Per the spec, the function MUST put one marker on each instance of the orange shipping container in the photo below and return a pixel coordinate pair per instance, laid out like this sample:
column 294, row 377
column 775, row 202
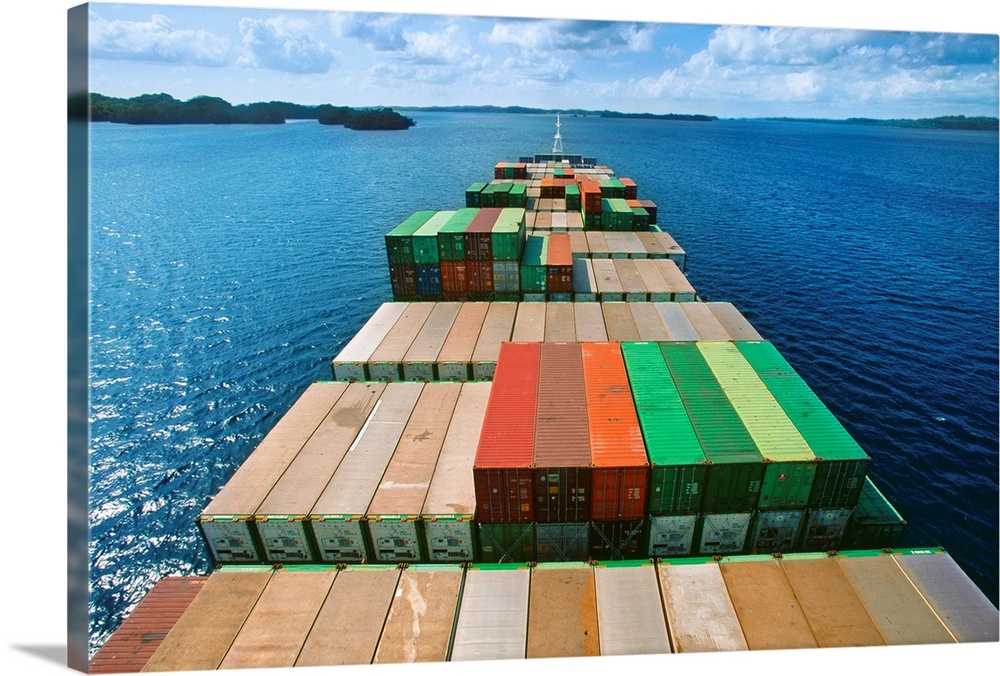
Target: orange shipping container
column 618, row 454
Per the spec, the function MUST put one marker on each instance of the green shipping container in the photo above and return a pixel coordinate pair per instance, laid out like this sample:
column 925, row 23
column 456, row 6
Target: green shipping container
column 486, row 196
column 533, row 272
column 678, row 468
column 791, row 464
column 451, row 235
column 875, row 523
column 472, row 194
column 508, row 235
column 737, row 467
column 841, row 472
column 518, row 195
column 573, row 197
column 501, row 191
column 398, row 241
column 506, row 542
column 425, row 239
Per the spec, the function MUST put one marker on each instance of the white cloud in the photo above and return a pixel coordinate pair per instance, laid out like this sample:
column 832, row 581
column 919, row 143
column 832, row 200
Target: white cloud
column 597, row 37
column 443, row 48
column 381, row 32
column 156, row 40
column 283, row 44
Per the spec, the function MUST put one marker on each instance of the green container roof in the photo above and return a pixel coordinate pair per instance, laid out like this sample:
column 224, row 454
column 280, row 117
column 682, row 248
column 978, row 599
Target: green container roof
column 535, row 247
column 459, row 221
column 776, row 436
column 723, row 435
column 815, row 422
column 511, row 219
column 666, row 428
column 477, row 187
column 433, row 224
column 411, row 224
column 572, row 189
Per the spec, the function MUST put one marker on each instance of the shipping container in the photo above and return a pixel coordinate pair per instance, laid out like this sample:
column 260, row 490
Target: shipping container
column 736, row 466
column 657, row 288
column 425, row 239
column 203, row 634
column 561, row 542
column 733, row 321
column 508, row 235
column 349, row 364
column 650, row 207
column 648, row 323
column 479, row 233
column 529, row 323
column 276, row 628
column 502, row 467
column 141, row 633
column 455, row 358
column 584, row 281
column 479, row 278
column 280, row 519
column 385, row 361
column 598, row 245
column 472, row 194
column 616, row 244
column 672, row 535
column 338, row 514
column 875, row 523
column 724, row 534
column 704, row 322
column 403, row 281
column 533, row 273
column 776, row 531
column 840, row 476
column 699, row 611
column 506, row 542
column 824, row 529
column 652, row 244
column 836, row 615
column 679, row 285
column 578, row 243
column 631, row 281
column 609, row 286
column 492, row 619
column 419, row 361
column 620, row 468
column 561, row 458
column 560, row 323
column 562, row 612
column 428, row 281
column 589, row 322
column 630, row 618
column 507, row 279
column 394, row 512
column 766, row 606
column 497, row 328
column 225, row 522
column 618, row 321
column 348, row 627
column 790, row 462
column 451, row 235
column 559, row 266
column 898, row 609
column 449, row 509
column 399, row 242
column 454, row 280
column 419, row 624
column 676, row 321
column 622, row 540
column 678, row 466
column 957, row 601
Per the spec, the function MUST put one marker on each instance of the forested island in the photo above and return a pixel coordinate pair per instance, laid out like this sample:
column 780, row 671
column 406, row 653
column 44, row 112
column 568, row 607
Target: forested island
column 575, row 112
column 165, row 109
column 943, row 122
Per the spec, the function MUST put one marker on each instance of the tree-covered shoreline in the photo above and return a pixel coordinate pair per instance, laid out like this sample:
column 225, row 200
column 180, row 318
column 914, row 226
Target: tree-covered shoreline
column 165, row 109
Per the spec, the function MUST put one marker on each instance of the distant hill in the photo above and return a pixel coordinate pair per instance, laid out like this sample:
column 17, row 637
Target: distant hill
column 578, row 112
column 944, row 122
column 165, row 109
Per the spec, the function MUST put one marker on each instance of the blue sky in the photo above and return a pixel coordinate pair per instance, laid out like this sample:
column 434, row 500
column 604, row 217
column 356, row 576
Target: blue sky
column 728, row 65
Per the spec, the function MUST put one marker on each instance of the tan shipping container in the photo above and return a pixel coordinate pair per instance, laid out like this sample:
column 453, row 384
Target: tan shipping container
column 385, row 360
column 734, row 321
column 562, row 612
column 529, row 323
column 648, row 322
column 631, row 281
column 497, row 328
column 704, row 322
column 699, row 611
column 619, row 322
column 629, row 614
column 421, row 617
column 419, row 361
column 560, row 323
column 589, row 322
column 350, row 363
column 493, row 616
column 455, row 358
column 766, row 606
column 609, row 287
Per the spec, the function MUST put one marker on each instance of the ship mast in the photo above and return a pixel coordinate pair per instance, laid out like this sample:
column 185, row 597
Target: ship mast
column 557, row 147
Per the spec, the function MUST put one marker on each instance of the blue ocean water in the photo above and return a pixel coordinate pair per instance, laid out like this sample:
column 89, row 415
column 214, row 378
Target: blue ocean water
column 230, row 264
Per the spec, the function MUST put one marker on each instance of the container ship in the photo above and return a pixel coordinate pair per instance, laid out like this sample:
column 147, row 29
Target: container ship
column 548, row 445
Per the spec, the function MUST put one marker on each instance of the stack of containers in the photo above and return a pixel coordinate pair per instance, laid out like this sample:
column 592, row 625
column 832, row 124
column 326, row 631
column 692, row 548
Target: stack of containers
column 451, row 251
column 399, row 249
column 619, row 465
column 502, row 467
column 507, row 243
column 479, row 253
column 678, row 466
column 561, row 455
column 790, row 464
column 559, row 268
column 732, row 487
column 426, row 256
column 875, row 523
column 533, row 271
column 841, row 473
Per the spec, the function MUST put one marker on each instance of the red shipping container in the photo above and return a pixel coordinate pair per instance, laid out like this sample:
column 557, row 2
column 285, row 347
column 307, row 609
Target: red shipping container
column 618, row 454
column 562, row 440
column 498, row 169
column 479, row 277
column 479, row 235
column 590, row 195
column 502, row 467
column 454, row 282
column 559, row 264
column 521, row 170
column 630, row 188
